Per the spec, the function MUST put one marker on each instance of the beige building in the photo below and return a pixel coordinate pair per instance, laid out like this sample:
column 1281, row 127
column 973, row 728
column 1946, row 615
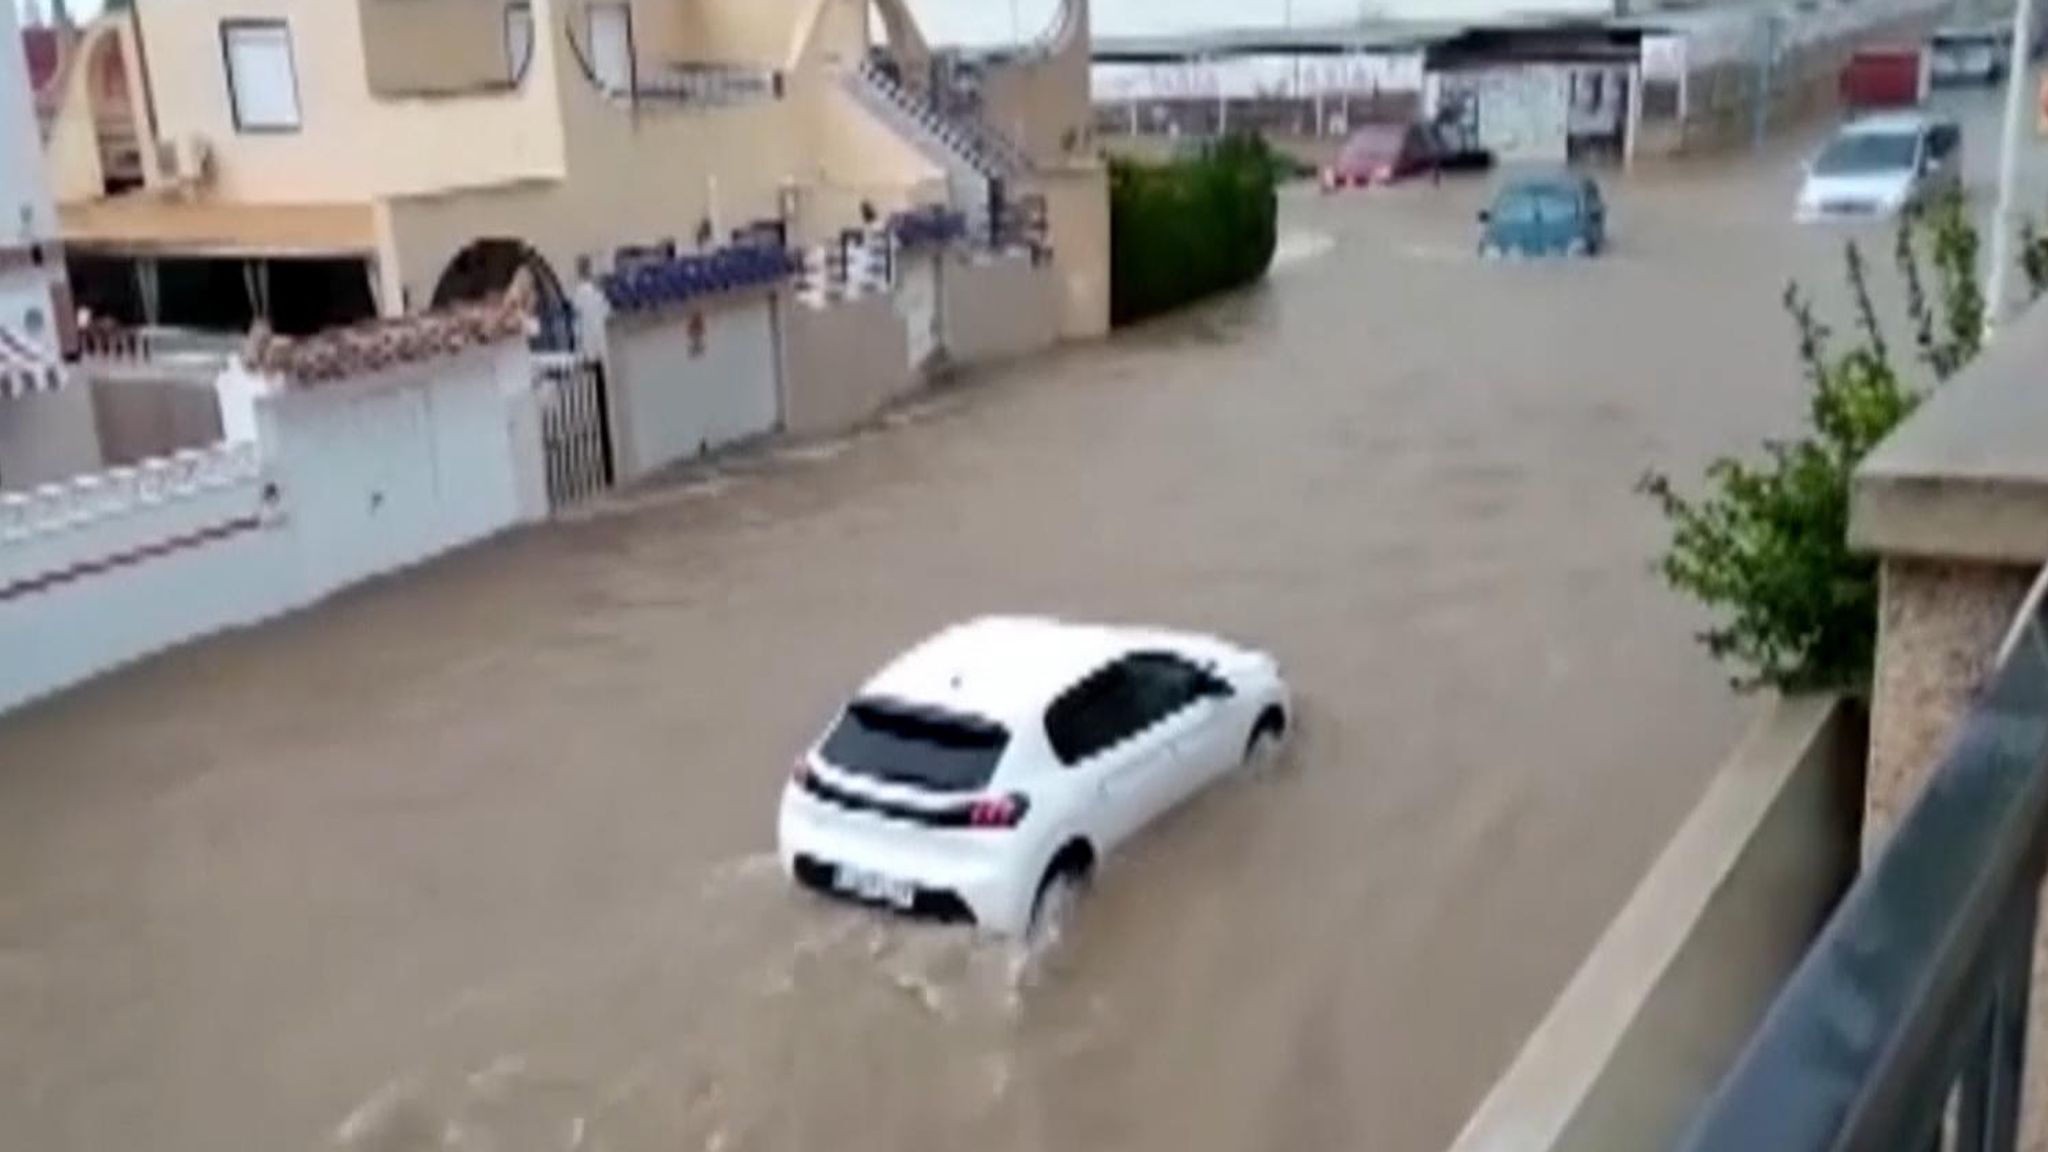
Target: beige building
column 314, row 161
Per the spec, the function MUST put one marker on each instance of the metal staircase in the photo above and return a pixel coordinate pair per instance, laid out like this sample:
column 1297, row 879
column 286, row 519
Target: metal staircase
column 972, row 155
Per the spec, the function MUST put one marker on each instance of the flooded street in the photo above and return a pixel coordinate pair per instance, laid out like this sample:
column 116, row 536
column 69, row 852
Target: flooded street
column 478, row 858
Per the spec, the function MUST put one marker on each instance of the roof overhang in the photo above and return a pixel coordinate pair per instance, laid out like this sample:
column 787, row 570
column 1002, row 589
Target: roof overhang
column 147, row 225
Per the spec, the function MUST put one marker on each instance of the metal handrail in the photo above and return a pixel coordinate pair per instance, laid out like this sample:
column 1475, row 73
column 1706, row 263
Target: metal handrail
column 1914, row 998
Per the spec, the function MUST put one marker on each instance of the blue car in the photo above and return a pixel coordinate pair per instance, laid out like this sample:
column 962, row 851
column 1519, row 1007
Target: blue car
column 1554, row 215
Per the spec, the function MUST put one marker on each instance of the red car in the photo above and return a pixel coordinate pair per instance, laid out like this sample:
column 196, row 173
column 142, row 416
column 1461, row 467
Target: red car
column 1385, row 153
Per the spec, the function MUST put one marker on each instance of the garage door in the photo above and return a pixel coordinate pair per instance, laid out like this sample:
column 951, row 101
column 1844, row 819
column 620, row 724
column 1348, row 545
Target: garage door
column 692, row 383
column 365, row 483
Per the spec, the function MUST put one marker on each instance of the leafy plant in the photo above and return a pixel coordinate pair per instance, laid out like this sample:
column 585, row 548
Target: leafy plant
column 1765, row 548
column 1181, row 231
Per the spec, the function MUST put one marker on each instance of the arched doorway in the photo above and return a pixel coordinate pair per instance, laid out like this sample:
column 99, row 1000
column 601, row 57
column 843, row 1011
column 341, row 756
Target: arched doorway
column 484, row 269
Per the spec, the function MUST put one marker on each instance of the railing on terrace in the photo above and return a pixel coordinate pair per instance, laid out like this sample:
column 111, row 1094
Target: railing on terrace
column 116, row 491
column 157, row 345
column 709, row 85
column 677, row 85
column 1905, row 1025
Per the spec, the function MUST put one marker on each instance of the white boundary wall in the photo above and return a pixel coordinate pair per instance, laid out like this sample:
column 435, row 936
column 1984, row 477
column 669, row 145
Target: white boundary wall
column 345, row 480
column 691, row 379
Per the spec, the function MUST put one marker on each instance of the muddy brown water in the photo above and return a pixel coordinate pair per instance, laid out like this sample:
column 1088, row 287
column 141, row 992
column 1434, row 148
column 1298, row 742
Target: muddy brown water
column 476, row 858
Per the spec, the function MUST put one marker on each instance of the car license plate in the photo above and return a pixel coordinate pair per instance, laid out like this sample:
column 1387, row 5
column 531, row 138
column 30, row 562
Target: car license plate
column 866, row 885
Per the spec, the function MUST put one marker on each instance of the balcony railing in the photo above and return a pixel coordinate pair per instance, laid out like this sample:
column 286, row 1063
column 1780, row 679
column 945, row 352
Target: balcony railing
column 710, row 85
column 1905, row 1025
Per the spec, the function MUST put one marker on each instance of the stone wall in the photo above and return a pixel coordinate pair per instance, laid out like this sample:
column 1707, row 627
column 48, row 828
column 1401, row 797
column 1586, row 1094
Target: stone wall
column 1939, row 626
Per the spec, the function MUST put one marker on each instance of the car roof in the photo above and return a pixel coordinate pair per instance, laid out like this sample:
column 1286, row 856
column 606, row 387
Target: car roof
column 1888, row 123
column 1545, row 182
column 1006, row 668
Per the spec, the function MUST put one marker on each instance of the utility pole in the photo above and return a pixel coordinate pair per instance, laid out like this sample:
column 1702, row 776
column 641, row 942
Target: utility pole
column 1287, row 19
column 1766, row 80
column 2019, row 83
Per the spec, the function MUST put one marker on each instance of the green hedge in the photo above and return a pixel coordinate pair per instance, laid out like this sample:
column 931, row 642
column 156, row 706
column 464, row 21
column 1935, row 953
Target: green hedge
column 1179, row 232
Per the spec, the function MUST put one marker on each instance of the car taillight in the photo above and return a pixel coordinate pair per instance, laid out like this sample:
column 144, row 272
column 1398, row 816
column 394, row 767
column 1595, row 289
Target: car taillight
column 998, row 811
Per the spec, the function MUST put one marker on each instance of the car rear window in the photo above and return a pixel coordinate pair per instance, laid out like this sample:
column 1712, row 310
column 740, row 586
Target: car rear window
column 1373, row 144
column 1528, row 205
column 922, row 747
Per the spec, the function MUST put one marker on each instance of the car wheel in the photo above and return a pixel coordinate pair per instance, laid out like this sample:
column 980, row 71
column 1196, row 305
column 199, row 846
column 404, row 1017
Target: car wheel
column 1052, row 911
column 1263, row 750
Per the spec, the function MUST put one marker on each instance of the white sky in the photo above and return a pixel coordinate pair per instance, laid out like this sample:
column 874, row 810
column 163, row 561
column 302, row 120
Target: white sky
column 971, row 21
column 985, row 21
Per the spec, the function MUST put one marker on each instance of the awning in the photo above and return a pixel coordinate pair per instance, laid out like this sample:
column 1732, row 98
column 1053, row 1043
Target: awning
column 142, row 224
column 24, row 368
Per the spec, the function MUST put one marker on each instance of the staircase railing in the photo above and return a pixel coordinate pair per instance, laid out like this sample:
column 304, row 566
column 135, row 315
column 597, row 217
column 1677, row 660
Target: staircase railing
column 972, row 141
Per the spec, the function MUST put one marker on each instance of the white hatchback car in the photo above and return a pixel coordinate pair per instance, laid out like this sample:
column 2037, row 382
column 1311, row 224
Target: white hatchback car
column 983, row 775
column 1882, row 165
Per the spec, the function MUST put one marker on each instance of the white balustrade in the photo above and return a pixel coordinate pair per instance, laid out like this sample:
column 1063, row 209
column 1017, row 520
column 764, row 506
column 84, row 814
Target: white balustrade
column 99, row 495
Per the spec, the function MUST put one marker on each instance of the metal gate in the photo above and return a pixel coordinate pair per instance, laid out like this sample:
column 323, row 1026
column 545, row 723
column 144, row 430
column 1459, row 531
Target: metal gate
column 575, row 426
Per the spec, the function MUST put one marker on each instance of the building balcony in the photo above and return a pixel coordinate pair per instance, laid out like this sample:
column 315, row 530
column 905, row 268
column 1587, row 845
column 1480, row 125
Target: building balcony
column 1837, row 951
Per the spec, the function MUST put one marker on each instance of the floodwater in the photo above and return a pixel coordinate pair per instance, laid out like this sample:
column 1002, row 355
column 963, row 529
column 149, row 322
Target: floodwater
column 476, row 858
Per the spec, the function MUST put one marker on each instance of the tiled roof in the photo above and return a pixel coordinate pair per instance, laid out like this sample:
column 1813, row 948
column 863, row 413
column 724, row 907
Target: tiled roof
column 378, row 345
column 665, row 283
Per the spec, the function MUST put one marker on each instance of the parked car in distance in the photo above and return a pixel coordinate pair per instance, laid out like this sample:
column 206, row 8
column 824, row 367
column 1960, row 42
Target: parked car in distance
column 1390, row 152
column 1552, row 214
column 985, row 774
column 1970, row 55
column 1879, row 166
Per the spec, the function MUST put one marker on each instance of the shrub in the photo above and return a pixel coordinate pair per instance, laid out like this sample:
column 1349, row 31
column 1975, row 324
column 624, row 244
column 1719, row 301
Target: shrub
column 1766, row 549
column 1179, row 232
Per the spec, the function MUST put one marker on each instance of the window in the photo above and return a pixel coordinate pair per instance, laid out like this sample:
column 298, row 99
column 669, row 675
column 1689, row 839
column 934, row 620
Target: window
column 263, row 83
column 1120, row 701
column 1165, row 685
column 922, row 747
column 1097, row 714
column 1660, row 100
column 611, row 46
column 518, row 41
